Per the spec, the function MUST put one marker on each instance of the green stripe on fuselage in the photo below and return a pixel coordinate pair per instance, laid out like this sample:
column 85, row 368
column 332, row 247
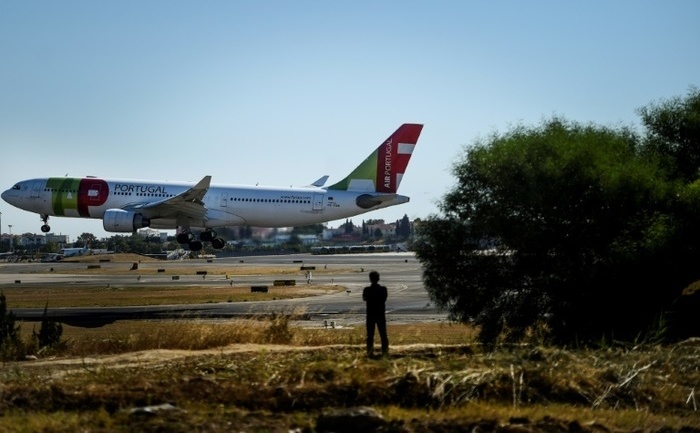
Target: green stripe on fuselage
column 64, row 194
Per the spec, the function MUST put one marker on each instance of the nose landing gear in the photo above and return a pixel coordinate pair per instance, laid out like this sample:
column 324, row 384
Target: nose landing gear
column 45, row 228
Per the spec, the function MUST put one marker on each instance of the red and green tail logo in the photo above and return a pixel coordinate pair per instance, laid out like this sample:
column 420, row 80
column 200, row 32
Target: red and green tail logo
column 383, row 169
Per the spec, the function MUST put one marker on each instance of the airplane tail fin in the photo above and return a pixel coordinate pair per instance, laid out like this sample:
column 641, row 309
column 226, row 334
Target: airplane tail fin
column 383, row 169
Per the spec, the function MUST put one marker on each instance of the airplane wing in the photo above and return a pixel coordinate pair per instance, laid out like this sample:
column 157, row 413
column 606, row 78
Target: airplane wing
column 186, row 205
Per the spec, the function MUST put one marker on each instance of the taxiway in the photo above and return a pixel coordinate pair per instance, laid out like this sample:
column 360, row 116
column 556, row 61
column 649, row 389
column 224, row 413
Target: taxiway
column 408, row 300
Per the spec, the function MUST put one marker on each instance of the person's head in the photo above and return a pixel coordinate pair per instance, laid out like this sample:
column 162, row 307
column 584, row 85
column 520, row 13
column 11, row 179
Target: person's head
column 374, row 277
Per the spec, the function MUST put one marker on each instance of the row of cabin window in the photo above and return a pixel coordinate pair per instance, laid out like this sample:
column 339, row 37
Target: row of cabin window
column 60, row 190
column 143, row 194
column 268, row 200
column 140, row 194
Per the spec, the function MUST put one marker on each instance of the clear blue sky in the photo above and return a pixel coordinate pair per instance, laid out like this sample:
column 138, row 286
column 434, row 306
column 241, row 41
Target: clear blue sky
column 283, row 92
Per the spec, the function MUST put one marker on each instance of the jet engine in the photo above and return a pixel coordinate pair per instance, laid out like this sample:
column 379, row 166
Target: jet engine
column 119, row 220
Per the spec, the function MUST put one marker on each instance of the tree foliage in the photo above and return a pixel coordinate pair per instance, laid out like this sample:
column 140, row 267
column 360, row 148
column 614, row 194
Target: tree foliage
column 50, row 332
column 585, row 229
column 313, row 229
column 673, row 128
column 85, row 240
column 11, row 346
column 403, row 228
column 134, row 243
column 348, row 226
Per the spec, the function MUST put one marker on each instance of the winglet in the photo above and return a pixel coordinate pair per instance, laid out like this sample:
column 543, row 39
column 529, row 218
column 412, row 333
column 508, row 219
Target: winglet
column 384, row 168
column 197, row 192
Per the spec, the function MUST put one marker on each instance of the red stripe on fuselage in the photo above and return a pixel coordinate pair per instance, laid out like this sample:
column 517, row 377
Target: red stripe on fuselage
column 91, row 192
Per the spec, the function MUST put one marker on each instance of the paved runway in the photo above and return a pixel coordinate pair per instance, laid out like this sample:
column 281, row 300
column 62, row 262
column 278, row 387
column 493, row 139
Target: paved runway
column 400, row 272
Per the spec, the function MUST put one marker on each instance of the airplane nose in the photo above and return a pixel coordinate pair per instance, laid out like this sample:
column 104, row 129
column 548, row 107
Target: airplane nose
column 8, row 196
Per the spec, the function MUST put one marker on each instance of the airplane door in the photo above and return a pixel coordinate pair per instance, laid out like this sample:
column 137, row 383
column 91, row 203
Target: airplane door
column 224, row 199
column 318, row 202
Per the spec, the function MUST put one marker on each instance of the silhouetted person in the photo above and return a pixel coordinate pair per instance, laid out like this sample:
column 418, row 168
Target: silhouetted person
column 375, row 297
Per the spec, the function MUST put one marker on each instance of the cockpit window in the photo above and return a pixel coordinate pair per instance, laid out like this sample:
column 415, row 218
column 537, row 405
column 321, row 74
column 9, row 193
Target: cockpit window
column 16, row 187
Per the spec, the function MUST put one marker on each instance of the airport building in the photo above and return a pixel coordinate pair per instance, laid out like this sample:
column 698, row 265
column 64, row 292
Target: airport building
column 29, row 240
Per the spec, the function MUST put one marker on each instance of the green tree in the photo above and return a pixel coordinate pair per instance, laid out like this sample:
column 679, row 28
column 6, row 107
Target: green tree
column 673, row 134
column 563, row 224
column 348, row 226
column 403, row 228
column 51, row 247
column 85, row 239
column 314, row 229
column 10, row 342
column 50, row 332
column 118, row 244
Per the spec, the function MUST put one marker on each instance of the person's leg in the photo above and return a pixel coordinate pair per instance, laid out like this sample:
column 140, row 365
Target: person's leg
column 370, row 335
column 381, row 325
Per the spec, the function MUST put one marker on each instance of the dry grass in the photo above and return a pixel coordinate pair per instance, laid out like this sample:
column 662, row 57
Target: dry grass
column 37, row 296
column 131, row 336
column 277, row 374
column 268, row 375
column 153, row 283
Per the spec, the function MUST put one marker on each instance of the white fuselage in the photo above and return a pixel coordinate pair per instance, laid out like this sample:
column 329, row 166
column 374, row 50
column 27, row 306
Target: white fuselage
column 225, row 205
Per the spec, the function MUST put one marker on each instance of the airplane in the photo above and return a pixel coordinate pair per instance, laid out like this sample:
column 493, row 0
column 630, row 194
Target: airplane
column 51, row 257
column 128, row 205
column 71, row 252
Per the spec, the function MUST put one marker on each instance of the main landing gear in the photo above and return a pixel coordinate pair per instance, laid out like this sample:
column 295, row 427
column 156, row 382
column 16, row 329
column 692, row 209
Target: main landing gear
column 45, row 228
column 196, row 245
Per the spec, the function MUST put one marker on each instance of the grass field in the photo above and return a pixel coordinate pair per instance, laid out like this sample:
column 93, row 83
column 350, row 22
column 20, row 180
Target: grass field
column 152, row 283
column 278, row 374
column 28, row 296
column 272, row 375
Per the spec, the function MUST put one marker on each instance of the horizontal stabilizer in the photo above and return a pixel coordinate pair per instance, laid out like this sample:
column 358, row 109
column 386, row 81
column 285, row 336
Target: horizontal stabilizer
column 368, row 201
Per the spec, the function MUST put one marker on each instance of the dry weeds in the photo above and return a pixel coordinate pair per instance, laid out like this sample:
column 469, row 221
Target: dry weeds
column 212, row 383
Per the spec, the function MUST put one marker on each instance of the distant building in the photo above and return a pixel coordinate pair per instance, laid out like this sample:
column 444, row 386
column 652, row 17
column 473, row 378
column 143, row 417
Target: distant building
column 32, row 240
column 57, row 239
column 381, row 227
column 282, row 238
column 151, row 233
